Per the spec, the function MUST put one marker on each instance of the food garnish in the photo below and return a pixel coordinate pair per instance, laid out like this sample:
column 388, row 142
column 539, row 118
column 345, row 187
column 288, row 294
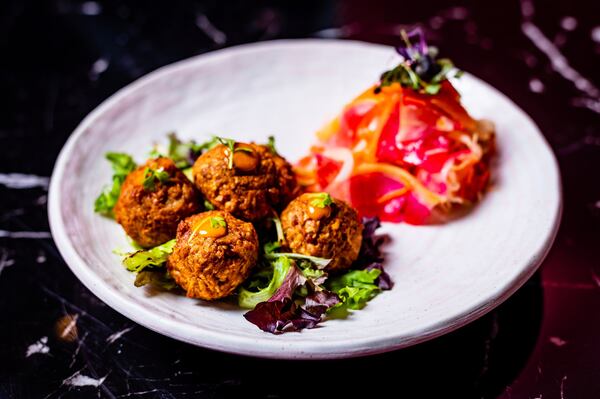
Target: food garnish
column 271, row 145
column 244, row 159
column 405, row 149
column 321, row 200
column 319, row 205
column 356, row 287
column 188, row 173
column 217, row 221
column 156, row 278
column 296, row 304
column 301, row 298
column 141, row 259
column 421, row 70
column 320, row 263
column 287, row 292
column 270, row 278
column 122, row 164
column 149, row 266
column 278, row 230
column 232, row 149
column 151, row 176
column 183, row 153
column 271, row 246
column 213, row 226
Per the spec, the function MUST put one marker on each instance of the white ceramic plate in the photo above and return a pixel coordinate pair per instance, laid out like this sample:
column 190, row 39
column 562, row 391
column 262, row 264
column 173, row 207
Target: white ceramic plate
column 445, row 276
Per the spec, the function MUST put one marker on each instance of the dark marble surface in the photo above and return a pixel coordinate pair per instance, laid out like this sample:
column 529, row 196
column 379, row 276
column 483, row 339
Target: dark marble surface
column 59, row 59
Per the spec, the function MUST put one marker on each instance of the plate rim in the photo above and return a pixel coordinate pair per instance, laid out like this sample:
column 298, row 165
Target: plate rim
column 241, row 345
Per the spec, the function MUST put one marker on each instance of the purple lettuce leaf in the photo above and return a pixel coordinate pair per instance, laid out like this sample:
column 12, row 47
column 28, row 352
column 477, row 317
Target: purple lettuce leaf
column 286, row 315
column 272, row 316
column 370, row 256
column 370, row 251
column 319, row 301
column 293, row 279
column 384, row 281
column 282, row 313
column 287, row 311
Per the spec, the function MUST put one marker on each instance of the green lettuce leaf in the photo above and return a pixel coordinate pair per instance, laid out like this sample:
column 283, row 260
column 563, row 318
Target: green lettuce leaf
column 151, row 176
column 182, row 153
column 157, row 278
column 157, row 256
column 188, row 173
column 271, row 247
column 271, row 145
column 122, row 165
column 356, row 287
column 274, row 276
column 304, row 260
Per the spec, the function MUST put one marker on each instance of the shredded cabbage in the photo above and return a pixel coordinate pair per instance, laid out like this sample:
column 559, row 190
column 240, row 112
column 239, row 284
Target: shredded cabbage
column 412, row 152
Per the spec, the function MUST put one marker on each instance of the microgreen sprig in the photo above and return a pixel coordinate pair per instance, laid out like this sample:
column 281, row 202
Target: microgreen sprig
column 230, row 143
column 182, row 153
column 151, row 176
column 271, row 145
column 420, row 68
column 321, row 200
column 217, row 222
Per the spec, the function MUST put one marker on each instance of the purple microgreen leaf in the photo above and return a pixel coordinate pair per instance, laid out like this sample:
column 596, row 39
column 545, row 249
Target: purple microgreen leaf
column 420, row 68
column 414, row 46
column 384, row 281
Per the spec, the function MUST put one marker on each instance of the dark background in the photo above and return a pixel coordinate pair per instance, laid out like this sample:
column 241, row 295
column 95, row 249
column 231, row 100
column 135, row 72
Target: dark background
column 59, row 59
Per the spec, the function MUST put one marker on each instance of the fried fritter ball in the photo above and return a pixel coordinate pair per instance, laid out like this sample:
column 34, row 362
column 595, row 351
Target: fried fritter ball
column 286, row 181
column 154, row 199
column 214, row 253
column 316, row 224
column 251, row 183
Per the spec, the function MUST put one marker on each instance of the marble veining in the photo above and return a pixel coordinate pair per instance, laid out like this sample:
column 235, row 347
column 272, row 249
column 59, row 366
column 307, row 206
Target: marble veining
column 65, row 57
column 560, row 63
column 20, row 180
column 39, row 346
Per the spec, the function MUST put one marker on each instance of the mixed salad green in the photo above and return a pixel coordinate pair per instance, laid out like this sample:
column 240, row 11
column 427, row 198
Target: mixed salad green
column 286, row 291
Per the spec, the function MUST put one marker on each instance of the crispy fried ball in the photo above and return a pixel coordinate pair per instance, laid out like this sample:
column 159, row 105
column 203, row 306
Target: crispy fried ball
column 213, row 255
column 286, row 181
column 150, row 215
column 331, row 231
column 250, row 185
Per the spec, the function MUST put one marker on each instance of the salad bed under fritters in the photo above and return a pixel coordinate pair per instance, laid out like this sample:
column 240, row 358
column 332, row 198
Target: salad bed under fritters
column 283, row 277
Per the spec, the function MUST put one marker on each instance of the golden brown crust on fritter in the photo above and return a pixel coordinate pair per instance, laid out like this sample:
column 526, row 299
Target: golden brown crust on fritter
column 248, row 195
column 337, row 236
column 150, row 217
column 286, row 181
column 211, row 268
